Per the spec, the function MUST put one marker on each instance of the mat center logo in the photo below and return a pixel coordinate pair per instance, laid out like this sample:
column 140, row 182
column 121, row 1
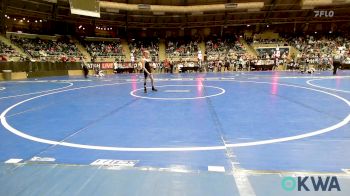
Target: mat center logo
column 311, row 183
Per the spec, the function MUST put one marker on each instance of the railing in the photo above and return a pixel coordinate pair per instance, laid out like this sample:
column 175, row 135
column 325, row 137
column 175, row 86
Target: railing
column 109, row 56
column 40, row 67
column 226, row 52
column 54, row 54
column 274, row 44
column 10, row 54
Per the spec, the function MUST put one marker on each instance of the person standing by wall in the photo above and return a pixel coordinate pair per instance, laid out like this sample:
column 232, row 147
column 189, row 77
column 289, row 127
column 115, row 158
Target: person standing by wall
column 85, row 68
column 171, row 67
column 337, row 59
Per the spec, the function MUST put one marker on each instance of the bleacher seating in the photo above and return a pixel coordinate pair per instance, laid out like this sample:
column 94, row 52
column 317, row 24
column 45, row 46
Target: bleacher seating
column 48, row 50
column 7, row 52
column 105, row 49
column 181, row 48
column 138, row 45
column 221, row 48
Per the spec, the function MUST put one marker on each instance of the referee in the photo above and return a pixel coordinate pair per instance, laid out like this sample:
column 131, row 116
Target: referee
column 337, row 59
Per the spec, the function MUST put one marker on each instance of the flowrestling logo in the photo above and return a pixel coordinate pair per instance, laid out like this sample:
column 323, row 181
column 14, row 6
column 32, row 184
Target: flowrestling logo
column 310, row 183
column 324, row 13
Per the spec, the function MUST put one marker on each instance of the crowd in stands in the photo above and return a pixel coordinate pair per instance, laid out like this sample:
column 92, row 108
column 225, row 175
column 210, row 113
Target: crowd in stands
column 7, row 52
column 221, row 52
column 278, row 41
column 223, row 48
column 182, row 48
column 312, row 50
column 320, row 46
column 61, row 50
column 107, row 49
column 270, row 41
column 137, row 46
column 270, row 53
column 320, row 50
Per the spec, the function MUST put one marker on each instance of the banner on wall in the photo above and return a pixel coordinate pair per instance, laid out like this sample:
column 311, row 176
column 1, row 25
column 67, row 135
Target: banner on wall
column 108, row 65
column 93, row 65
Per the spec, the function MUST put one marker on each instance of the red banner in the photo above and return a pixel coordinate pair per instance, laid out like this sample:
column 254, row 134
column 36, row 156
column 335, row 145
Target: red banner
column 107, row 65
